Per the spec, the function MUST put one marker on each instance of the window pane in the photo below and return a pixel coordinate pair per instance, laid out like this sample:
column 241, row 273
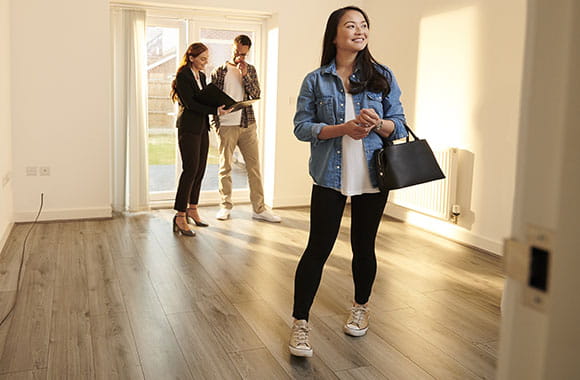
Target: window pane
column 162, row 60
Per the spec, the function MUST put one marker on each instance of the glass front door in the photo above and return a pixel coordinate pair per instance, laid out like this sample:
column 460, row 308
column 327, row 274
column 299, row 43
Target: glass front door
column 167, row 40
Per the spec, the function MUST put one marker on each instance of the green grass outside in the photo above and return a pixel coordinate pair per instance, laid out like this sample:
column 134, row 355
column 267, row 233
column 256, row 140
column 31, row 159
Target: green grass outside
column 162, row 150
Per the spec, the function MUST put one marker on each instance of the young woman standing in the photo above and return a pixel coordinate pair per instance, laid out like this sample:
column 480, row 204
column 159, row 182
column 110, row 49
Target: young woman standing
column 343, row 110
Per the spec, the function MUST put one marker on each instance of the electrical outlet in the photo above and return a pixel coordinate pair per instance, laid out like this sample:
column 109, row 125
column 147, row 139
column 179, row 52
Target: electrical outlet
column 44, row 170
column 31, row 170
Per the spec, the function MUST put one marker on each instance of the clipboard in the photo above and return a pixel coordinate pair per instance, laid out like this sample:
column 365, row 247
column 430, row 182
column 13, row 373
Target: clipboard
column 212, row 96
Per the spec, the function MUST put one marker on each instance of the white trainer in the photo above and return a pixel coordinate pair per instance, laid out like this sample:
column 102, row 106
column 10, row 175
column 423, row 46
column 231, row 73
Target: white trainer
column 223, row 214
column 268, row 216
column 299, row 344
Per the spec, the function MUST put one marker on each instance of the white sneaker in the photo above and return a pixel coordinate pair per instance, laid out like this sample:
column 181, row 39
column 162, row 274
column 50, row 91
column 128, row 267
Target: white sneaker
column 268, row 216
column 299, row 344
column 357, row 323
column 223, row 214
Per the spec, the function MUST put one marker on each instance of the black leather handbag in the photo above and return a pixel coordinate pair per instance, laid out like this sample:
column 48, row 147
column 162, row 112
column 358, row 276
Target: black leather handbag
column 406, row 164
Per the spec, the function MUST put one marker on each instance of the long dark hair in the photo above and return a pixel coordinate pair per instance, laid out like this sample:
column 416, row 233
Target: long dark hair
column 193, row 50
column 370, row 79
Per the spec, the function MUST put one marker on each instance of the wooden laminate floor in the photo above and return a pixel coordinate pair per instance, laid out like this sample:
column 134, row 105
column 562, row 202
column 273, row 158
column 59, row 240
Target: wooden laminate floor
column 127, row 299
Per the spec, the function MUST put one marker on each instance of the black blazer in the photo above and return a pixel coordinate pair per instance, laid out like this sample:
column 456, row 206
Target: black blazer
column 193, row 116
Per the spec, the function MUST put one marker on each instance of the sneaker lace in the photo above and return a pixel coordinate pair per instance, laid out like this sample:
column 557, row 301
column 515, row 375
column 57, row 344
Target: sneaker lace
column 301, row 335
column 357, row 314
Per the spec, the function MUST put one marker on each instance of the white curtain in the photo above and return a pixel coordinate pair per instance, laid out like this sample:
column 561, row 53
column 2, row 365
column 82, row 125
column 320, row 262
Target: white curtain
column 130, row 178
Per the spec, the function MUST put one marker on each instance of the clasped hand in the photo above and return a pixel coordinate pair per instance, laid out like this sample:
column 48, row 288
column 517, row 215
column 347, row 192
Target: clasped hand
column 360, row 127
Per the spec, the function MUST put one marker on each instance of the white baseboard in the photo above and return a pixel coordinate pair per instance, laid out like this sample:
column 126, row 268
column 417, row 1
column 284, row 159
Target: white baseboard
column 239, row 197
column 64, row 214
column 5, row 234
column 443, row 228
column 210, row 198
column 298, row 201
column 287, row 202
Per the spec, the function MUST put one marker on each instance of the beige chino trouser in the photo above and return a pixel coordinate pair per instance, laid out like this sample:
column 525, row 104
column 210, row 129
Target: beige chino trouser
column 230, row 136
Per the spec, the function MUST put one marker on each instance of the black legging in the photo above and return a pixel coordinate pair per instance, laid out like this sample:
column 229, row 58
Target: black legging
column 326, row 208
column 193, row 149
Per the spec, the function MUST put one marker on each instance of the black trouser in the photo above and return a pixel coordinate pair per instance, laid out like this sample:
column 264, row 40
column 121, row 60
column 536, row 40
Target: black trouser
column 326, row 208
column 193, row 149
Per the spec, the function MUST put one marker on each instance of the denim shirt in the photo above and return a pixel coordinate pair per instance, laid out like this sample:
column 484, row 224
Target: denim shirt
column 321, row 102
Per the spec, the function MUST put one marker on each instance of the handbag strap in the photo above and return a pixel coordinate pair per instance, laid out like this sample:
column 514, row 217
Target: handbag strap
column 387, row 142
column 409, row 130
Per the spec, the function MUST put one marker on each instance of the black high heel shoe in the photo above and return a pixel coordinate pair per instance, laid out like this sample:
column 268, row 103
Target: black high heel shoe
column 176, row 228
column 199, row 223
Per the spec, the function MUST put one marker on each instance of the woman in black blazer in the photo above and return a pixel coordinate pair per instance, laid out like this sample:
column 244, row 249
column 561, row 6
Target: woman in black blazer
column 193, row 133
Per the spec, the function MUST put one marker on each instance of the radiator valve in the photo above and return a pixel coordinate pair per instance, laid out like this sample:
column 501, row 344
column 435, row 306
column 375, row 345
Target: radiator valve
column 455, row 212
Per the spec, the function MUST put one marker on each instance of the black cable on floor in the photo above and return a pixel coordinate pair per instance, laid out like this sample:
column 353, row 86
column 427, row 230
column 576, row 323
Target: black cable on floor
column 22, row 260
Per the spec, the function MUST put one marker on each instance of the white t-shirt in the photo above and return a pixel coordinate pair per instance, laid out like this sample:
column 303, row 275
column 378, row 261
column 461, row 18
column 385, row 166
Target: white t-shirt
column 356, row 178
column 234, row 88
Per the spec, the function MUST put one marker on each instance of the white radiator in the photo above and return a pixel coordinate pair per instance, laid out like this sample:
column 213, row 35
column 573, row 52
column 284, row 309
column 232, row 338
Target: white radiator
column 434, row 198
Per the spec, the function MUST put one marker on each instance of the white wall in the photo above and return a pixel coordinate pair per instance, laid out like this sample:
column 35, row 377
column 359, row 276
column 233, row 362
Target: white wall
column 459, row 64
column 60, row 63
column 6, row 217
column 546, row 345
